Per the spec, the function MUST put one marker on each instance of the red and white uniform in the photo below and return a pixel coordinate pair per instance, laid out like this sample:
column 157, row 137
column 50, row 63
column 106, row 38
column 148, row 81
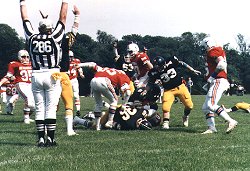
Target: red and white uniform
column 22, row 73
column 141, row 69
column 73, row 74
column 11, row 97
column 217, row 86
column 211, row 63
column 104, row 83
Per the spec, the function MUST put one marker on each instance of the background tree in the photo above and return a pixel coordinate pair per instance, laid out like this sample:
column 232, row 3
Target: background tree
column 10, row 44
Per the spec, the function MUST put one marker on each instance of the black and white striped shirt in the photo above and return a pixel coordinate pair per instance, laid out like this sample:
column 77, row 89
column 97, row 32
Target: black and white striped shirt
column 45, row 50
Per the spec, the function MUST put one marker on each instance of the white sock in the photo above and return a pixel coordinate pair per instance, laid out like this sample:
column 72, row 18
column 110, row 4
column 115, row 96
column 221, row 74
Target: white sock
column 225, row 116
column 211, row 123
column 69, row 122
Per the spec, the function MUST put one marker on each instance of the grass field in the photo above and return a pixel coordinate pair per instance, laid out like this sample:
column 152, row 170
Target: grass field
column 155, row 150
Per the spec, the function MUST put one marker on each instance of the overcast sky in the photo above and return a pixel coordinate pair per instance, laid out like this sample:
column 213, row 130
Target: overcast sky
column 223, row 19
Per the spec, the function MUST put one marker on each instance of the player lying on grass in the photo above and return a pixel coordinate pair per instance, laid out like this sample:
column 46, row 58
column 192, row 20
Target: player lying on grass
column 139, row 113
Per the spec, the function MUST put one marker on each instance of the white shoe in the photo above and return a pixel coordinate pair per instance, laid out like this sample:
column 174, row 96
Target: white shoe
column 209, row 131
column 248, row 110
column 31, row 120
column 165, row 125
column 28, row 121
column 231, row 126
column 109, row 124
column 185, row 121
column 71, row 133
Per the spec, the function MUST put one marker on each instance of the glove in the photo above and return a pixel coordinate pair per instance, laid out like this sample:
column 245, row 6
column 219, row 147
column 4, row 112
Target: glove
column 210, row 79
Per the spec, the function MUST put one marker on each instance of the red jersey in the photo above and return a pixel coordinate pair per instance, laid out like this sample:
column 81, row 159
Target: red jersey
column 73, row 73
column 118, row 78
column 211, row 63
column 139, row 62
column 21, row 71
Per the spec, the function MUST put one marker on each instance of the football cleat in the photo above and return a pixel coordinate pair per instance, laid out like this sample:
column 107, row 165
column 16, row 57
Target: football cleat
column 185, row 121
column 90, row 116
column 78, row 113
column 41, row 142
column 50, row 143
column 72, row 133
column 209, row 131
column 165, row 125
column 28, row 121
column 109, row 124
column 231, row 126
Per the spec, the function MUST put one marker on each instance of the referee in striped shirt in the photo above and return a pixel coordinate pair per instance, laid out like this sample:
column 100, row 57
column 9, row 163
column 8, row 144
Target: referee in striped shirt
column 45, row 54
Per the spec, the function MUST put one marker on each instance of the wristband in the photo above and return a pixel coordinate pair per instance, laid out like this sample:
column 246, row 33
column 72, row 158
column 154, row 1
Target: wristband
column 65, row 1
column 77, row 19
column 22, row 3
column 214, row 74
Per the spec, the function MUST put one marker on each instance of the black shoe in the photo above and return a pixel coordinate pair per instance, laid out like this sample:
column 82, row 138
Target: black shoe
column 78, row 113
column 50, row 143
column 41, row 143
column 88, row 124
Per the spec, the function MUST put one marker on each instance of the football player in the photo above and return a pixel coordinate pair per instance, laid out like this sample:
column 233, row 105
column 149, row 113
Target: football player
column 166, row 71
column 124, row 63
column 216, row 76
column 67, row 91
column 103, row 84
column 141, row 64
column 11, row 95
column 242, row 105
column 73, row 74
column 21, row 71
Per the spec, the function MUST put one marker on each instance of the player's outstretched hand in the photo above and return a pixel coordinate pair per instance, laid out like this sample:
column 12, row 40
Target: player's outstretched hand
column 197, row 72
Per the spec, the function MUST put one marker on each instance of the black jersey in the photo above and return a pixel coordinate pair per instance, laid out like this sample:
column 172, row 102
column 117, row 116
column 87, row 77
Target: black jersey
column 128, row 117
column 125, row 66
column 168, row 76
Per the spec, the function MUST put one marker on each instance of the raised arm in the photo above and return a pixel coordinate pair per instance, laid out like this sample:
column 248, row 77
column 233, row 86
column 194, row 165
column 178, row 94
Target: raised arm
column 75, row 26
column 23, row 10
column 63, row 11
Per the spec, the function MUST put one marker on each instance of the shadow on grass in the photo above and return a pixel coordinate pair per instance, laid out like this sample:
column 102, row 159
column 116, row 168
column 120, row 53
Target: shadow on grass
column 17, row 132
column 10, row 121
column 177, row 129
column 17, row 143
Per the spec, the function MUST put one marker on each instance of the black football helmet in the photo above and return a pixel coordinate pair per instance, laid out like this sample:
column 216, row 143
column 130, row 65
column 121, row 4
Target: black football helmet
column 155, row 119
column 159, row 63
column 145, row 125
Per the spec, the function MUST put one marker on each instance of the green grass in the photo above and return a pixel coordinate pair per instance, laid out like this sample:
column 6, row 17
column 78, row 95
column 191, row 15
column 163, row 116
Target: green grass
column 175, row 149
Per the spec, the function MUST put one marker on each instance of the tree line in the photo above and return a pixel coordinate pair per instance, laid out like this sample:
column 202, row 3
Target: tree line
column 186, row 47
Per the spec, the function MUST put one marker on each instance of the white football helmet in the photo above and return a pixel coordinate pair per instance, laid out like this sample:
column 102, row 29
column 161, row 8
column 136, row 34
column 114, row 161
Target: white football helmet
column 23, row 56
column 209, row 42
column 45, row 25
column 132, row 49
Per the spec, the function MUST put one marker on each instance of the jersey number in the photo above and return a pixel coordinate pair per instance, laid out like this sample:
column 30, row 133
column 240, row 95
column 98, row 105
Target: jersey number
column 42, row 47
column 171, row 73
column 26, row 75
column 127, row 113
